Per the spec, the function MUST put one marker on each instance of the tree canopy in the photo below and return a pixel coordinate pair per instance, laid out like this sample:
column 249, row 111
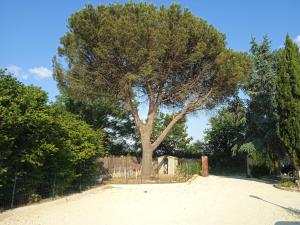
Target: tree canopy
column 116, row 124
column 136, row 52
column 44, row 149
column 225, row 136
column 261, row 111
column 288, row 100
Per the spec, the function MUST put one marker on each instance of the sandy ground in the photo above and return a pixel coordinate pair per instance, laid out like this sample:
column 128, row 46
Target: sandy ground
column 213, row 200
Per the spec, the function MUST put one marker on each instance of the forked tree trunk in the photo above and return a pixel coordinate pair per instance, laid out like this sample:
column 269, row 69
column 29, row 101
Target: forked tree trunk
column 148, row 148
column 145, row 129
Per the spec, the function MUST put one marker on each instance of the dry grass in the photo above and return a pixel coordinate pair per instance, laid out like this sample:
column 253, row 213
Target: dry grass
column 287, row 185
column 163, row 179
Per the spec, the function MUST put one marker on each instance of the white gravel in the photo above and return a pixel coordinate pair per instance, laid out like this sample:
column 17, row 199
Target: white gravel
column 208, row 201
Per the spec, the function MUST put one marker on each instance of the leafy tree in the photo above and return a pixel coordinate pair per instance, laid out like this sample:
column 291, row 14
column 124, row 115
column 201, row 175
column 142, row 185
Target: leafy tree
column 261, row 116
column 136, row 52
column 196, row 150
column 44, row 149
column 103, row 114
column 288, row 100
column 226, row 134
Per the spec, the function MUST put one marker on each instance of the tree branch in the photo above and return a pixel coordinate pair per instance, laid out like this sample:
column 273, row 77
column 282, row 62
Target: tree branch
column 152, row 109
column 168, row 129
column 132, row 109
column 194, row 105
column 151, row 98
column 190, row 107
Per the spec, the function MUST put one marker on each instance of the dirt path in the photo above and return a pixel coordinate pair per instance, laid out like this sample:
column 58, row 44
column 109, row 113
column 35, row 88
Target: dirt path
column 213, row 200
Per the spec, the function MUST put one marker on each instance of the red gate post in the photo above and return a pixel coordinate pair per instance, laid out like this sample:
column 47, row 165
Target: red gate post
column 204, row 166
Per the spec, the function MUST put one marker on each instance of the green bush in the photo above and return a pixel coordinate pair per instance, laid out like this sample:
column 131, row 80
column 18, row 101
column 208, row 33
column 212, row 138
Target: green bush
column 44, row 148
column 185, row 169
column 260, row 171
column 35, row 198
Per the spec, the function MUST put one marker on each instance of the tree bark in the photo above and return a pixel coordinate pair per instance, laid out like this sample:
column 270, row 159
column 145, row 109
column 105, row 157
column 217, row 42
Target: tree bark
column 147, row 161
column 147, row 151
column 277, row 167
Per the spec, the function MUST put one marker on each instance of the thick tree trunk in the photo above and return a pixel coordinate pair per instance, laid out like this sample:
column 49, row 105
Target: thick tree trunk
column 277, row 167
column 147, row 151
column 147, row 161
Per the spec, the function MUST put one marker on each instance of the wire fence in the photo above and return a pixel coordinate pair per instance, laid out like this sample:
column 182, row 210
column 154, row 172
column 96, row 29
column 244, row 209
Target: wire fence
column 112, row 170
column 18, row 198
column 128, row 170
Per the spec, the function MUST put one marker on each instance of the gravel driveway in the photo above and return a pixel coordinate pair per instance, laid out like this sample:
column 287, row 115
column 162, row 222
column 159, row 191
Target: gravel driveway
column 208, row 201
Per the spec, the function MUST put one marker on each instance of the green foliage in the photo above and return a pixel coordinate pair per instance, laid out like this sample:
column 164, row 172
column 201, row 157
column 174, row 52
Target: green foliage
column 113, row 49
column 195, row 150
column 43, row 147
column 177, row 141
column 286, row 182
column 136, row 52
column 263, row 77
column 262, row 142
column 260, row 171
column 103, row 114
column 274, row 89
column 225, row 136
column 35, row 198
column 190, row 168
column 288, row 100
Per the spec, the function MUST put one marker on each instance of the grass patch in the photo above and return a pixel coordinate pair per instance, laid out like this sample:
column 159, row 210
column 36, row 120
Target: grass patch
column 288, row 185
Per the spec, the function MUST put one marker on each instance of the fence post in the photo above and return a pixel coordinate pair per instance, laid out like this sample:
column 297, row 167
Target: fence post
column 126, row 163
column 14, row 191
column 249, row 162
column 80, row 183
column 157, row 170
column 204, row 166
column 141, row 174
column 54, row 184
column 186, row 171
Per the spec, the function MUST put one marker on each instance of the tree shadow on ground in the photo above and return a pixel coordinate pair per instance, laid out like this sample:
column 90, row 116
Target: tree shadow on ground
column 260, row 180
column 292, row 211
column 287, row 223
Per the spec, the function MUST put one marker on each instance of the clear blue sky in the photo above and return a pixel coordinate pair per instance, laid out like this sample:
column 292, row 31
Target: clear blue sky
column 30, row 32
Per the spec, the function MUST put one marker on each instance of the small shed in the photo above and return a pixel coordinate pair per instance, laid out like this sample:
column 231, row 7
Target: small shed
column 167, row 165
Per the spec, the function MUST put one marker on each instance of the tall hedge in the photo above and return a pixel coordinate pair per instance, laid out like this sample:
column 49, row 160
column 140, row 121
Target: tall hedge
column 44, row 149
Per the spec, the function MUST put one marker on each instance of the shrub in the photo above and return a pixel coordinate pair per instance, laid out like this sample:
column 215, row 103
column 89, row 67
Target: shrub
column 189, row 168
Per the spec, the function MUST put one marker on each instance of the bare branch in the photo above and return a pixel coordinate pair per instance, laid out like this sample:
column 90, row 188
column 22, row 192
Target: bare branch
column 194, row 105
column 151, row 97
column 168, row 129
column 133, row 110
column 190, row 107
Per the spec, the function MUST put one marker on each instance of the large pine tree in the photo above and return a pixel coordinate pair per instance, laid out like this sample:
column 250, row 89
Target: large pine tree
column 288, row 100
column 137, row 53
